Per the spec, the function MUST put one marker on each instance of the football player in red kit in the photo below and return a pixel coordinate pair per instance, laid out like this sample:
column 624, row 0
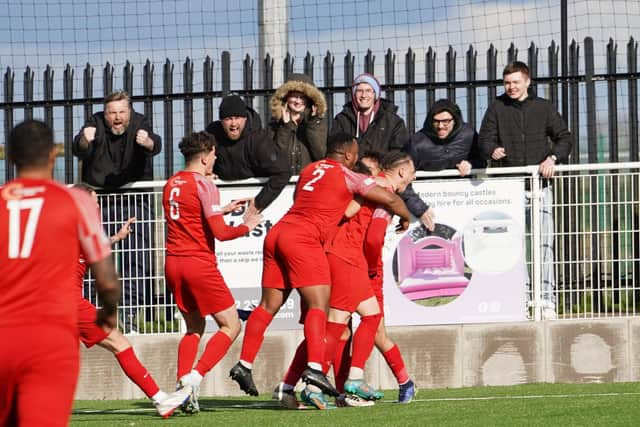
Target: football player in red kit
column 295, row 258
column 194, row 219
column 46, row 227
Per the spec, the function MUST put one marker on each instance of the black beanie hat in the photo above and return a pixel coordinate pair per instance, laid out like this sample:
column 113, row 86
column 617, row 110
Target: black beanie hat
column 233, row 105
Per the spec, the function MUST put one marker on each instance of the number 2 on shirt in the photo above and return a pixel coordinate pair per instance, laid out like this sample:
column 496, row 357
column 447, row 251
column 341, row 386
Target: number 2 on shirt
column 318, row 173
column 15, row 239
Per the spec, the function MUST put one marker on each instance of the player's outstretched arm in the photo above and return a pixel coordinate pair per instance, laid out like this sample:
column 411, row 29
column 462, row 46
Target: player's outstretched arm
column 392, row 202
column 223, row 232
column 108, row 290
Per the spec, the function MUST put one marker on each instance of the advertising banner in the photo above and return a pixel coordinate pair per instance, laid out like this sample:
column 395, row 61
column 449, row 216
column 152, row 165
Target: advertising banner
column 471, row 268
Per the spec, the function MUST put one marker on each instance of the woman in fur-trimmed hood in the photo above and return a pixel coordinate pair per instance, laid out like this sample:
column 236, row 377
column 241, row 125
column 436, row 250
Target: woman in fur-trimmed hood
column 299, row 124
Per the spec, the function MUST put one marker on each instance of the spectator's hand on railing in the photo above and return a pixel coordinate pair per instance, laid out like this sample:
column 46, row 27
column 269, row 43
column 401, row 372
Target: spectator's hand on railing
column 498, row 153
column 464, row 168
column 428, row 218
column 124, row 231
column 89, row 133
column 547, row 168
column 236, row 205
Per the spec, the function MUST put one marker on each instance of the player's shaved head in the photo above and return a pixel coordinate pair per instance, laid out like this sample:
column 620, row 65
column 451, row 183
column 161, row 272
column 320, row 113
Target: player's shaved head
column 339, row 142
column 196, row 143
column 394, row 159
column 30, row 144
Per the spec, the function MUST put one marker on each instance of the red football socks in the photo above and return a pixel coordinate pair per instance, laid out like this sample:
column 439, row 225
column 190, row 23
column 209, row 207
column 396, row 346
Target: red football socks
column 315, row 328
column 364, row 339
column 187, row 352
column 254, row 333
column 137, row 372
column 215, row 349
column 396, row 364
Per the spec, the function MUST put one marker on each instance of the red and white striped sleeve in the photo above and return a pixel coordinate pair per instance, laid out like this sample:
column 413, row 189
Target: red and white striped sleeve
column 209, row 196
column 93, row 241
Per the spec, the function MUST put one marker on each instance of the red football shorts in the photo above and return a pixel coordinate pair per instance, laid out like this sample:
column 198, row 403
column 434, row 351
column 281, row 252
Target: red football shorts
column 90, row 333
column 38, row 374
column 349, row 284
column 293, row 258
column 376, row 286
column 196, row 284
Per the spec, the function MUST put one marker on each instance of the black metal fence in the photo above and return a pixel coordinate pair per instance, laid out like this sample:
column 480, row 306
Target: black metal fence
column 574, row 94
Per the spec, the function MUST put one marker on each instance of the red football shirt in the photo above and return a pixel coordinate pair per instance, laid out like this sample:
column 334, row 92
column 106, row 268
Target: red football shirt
column 323, row 193
column 40, row 251
column 188, row 199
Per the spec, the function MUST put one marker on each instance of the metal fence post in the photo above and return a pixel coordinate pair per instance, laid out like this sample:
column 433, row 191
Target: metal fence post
column 68, row 123
column 167, row 77
column 187, row 82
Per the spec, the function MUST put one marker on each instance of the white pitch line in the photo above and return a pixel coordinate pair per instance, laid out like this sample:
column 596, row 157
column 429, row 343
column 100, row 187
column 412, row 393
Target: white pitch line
column 538, row 396
column 267, row 405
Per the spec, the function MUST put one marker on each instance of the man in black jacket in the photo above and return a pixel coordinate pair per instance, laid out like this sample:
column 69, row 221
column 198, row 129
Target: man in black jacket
column 116, row 147
column 521, row 129
column 245, row 150
column 371, row 119
column 445, row 141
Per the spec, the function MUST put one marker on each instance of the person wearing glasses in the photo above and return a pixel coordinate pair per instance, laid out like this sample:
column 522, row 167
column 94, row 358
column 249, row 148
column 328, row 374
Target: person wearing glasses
column 445, row 141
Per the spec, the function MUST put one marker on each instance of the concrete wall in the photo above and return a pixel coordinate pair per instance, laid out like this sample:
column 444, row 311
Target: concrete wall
column 577, row 351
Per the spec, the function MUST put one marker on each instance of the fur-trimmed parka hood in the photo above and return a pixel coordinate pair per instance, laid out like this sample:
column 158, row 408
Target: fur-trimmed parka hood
column 299, row 83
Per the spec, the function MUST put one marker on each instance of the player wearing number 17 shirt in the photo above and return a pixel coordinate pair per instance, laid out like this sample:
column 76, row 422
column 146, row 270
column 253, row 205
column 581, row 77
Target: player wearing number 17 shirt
column 194, row 218
column 45, row 225
column 294, row 256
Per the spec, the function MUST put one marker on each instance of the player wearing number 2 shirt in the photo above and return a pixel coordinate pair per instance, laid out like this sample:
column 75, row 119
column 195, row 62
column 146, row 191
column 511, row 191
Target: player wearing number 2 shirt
column 294, row 256
column 44, row 227
column 194, row 218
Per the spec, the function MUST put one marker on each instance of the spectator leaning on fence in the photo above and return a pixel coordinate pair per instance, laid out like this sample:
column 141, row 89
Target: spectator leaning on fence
column 371, row 119
column 245, row 150
column 299, row 124
column 116, row 147
column 445, row 141
column 521, row 129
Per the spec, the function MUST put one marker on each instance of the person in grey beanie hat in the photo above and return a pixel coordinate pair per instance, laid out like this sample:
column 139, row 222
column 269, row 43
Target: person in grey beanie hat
column 299, row 124
column 371, row 119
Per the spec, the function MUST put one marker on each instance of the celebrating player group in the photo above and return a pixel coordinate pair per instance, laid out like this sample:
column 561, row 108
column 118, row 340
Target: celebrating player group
column 327, row 247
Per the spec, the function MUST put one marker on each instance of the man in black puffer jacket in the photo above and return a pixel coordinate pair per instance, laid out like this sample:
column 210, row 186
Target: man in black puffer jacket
column 245, row 150
column 520, row 129
column 372, row 120
column 445, row 141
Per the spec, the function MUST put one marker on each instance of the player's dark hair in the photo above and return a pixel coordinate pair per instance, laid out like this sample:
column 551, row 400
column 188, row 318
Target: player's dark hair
column 196, row 143
column 360, row 167
column 373, row 155
column 515, row 67
column 338, row 142
column 394, row 159
column 30, row 143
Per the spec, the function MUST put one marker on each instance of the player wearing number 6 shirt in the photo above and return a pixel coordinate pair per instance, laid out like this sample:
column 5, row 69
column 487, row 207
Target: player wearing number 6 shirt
column 47, row 226
column 294, row 256
column 194, row 218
